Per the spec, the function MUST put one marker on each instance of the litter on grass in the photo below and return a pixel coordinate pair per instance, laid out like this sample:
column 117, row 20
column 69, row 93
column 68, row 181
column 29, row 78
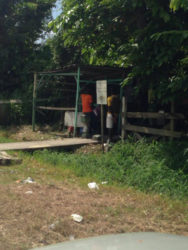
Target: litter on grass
column 71, row 237
column 29, row 192
column 104, row 182
column 93, row 185
column 77, row 217
column 29, row 180
column 53, row 225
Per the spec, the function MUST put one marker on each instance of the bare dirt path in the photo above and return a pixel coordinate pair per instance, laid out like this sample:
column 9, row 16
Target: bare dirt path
column 43, row 216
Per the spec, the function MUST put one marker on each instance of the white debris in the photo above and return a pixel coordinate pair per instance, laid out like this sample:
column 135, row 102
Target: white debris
column 104, row 182
column 107, row 146
column 29, row 192
column 71, row 237
column 53, row 225
column 29, row 180
column 77, row 217
column 93, row 185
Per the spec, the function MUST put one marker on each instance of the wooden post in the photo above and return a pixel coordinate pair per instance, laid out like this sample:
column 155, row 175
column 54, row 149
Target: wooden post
column 124, row 117
column 77, row 98
column 102, row 128
column 34, row 100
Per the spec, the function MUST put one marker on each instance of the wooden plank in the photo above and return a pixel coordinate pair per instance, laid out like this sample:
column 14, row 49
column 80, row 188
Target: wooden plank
column 6, row 159
column 32, row 145
column 55, row 108
column 154, row 131
column 16, row 101
column 153, row 115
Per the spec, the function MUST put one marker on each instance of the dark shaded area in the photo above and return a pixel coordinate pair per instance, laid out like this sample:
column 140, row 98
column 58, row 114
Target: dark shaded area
column 175, row 154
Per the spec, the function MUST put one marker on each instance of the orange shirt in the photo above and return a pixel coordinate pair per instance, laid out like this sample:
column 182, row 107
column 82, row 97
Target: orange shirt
column 86, row 103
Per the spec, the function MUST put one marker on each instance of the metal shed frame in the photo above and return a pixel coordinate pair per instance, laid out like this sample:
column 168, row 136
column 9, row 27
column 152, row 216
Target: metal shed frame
column 81, row 74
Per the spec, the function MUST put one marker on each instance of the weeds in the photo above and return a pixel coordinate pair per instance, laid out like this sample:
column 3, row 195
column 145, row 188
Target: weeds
column 4, row 137
column 159, row 167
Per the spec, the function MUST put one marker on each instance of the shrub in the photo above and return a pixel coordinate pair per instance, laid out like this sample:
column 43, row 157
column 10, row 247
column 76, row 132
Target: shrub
column 150, row 167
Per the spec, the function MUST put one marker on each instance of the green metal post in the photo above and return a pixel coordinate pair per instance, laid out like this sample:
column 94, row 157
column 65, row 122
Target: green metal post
column 77, row 98
column 34, row 100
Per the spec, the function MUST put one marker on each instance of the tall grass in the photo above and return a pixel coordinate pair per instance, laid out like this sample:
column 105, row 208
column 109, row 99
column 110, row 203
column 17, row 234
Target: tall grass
column 159, row 167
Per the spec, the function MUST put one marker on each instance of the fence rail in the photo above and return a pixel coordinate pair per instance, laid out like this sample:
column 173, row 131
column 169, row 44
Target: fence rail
column 55, row 108
column 153, row 131
column 126, row 126
column 153, row 115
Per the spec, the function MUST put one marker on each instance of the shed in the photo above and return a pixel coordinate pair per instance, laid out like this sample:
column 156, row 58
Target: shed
column 77, row 75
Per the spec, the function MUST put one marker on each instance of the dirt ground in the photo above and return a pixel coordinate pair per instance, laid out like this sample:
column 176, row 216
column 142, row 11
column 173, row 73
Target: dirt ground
column 43, row 216
column 25, row 133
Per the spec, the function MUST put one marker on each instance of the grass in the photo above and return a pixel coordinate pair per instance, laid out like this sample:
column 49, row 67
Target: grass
column 58, row 192
column 60, row 189
column 159, row 167
column 4, row 137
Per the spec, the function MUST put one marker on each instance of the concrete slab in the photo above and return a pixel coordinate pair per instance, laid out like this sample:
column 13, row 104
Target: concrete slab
column 67, row 142
column 6, row 159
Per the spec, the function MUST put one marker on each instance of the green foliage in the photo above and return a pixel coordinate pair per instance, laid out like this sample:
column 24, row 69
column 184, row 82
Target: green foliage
column 21, row 24
column 160, row 167
column 61, row 54
column 176, row 4
column 16, row 113
column 146, row 36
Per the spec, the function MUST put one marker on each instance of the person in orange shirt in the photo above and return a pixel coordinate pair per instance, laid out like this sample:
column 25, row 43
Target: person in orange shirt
column 87, row 102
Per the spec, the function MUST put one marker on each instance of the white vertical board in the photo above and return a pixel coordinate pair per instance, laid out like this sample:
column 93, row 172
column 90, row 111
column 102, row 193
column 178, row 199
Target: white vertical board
column 101, row 92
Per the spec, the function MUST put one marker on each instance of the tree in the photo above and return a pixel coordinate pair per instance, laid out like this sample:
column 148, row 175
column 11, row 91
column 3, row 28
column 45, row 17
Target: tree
column 144, row 35
column 176, row 4
column 61, row 54
column 21, row 23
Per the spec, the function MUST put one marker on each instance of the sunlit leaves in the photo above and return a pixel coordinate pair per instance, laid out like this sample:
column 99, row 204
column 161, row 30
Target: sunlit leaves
column 176, row 4
column 146, row 36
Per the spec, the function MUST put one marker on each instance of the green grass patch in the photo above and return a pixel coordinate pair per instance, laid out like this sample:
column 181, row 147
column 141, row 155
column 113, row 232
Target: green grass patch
column 159, row 167
column 4, row 136
column 5, row 139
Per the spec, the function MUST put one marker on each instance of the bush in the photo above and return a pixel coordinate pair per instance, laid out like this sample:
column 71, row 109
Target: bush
column 159, row 167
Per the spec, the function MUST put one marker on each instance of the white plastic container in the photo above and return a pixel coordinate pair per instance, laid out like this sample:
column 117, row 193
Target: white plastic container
column 93, row 185
column 109, row 121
